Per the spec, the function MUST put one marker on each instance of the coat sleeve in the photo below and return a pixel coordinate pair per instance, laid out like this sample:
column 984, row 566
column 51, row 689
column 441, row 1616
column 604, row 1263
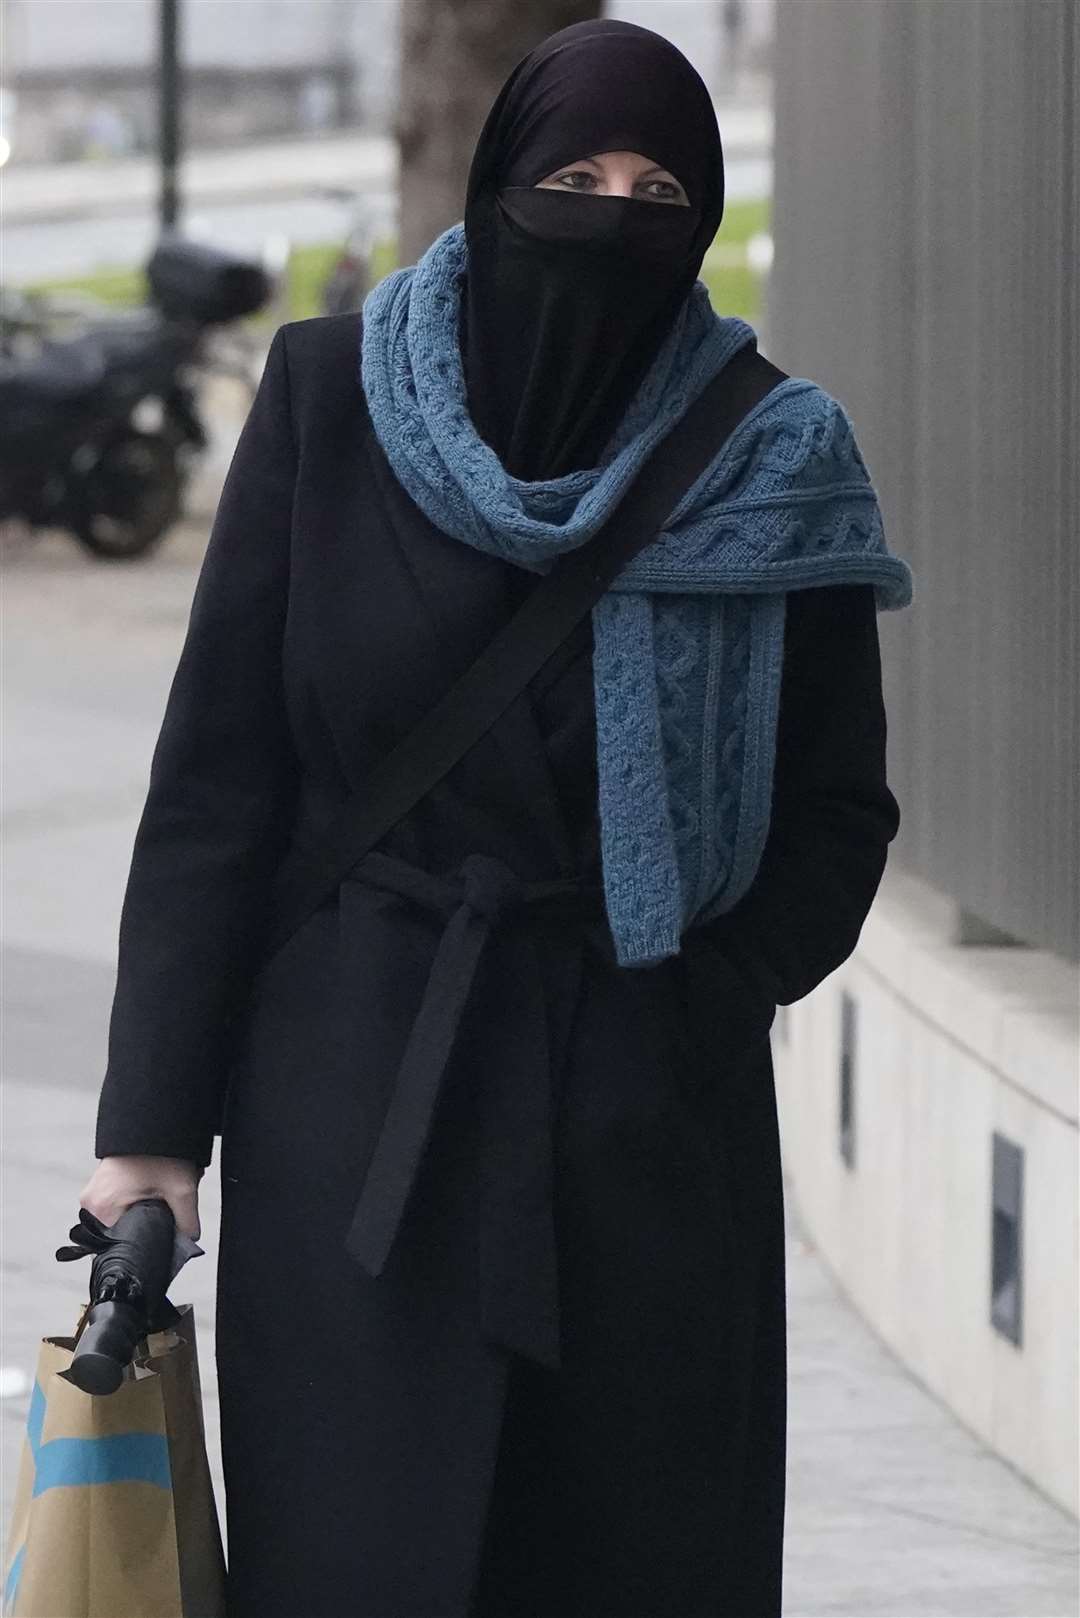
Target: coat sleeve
column 832, row 819
column 217, row 817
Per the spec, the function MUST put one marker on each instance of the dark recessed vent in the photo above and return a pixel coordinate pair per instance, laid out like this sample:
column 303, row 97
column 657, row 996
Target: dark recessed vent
column 1006, row 1239
column 847, row 1079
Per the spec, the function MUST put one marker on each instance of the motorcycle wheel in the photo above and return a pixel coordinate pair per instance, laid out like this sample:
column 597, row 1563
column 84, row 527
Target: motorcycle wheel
column 129, row 499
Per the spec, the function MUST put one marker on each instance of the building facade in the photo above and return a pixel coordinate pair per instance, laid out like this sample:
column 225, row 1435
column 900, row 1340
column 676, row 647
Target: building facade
column 82, row 71
column 927, row 249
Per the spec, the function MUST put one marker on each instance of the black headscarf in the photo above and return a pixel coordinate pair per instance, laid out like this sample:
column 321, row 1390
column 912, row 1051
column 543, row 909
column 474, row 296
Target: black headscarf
column 568, row 298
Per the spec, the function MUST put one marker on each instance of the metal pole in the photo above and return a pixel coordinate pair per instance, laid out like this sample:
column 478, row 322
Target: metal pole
column 169, row 111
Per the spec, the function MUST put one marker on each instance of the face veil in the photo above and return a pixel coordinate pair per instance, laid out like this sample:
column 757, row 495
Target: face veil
column 568, row 298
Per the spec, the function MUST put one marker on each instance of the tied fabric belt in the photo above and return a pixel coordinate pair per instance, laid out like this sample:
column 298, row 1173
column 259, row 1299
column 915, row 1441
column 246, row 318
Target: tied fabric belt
column 519, row 1280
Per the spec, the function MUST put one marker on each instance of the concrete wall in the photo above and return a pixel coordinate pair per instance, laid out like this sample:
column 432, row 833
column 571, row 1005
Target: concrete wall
column 926, row 218
column 56, row 35
column 258, row 67
column 51, row 36
column 953, row 1044
column 927, row 236
column 83, row 71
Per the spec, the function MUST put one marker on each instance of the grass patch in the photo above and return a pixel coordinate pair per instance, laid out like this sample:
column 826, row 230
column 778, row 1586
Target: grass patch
column 308, row 270
column 734, row 287
column 734, row 291
column 743, row 220
column 120, row 288
column 310, row 266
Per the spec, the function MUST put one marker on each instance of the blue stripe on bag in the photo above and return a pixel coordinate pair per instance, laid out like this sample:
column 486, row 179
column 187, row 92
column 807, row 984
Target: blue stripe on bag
column 35, row 1419
column 13, row 1577
column 112, row 1458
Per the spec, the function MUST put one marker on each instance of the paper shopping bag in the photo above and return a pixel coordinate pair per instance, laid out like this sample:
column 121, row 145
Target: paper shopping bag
column 114, row 1513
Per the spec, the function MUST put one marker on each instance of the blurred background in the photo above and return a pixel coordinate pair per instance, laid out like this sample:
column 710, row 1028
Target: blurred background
column 178, row 177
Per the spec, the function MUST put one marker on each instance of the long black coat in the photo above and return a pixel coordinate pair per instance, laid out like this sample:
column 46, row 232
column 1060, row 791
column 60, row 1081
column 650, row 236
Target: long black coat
column 564, row 1394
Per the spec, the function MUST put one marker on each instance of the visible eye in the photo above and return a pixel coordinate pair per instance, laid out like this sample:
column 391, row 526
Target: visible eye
column 573, row 175
column 662, row 190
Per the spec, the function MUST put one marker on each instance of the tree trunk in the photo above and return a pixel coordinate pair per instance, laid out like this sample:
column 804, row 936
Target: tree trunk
column 455, row 55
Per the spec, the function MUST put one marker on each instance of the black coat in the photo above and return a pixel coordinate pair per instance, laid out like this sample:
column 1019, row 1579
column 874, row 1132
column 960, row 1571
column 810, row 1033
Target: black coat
column 583, row 1297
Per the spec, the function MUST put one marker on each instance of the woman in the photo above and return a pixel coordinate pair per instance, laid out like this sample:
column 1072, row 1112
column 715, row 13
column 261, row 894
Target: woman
column 547, row 1373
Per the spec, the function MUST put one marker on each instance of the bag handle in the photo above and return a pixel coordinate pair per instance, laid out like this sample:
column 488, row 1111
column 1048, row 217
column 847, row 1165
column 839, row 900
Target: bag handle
column 504, row 668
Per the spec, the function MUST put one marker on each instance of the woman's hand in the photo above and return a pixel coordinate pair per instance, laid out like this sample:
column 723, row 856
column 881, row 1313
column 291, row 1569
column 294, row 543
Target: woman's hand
column 117, row 1182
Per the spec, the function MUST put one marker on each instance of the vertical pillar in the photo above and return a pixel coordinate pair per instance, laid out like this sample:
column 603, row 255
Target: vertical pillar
column 169, row 111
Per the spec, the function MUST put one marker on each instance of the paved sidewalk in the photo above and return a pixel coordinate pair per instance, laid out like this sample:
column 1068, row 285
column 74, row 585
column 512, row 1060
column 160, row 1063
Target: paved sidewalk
column 894, row 1509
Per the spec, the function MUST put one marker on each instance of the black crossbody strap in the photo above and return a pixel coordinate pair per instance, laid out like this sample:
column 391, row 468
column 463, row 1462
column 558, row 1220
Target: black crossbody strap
column 523, row 645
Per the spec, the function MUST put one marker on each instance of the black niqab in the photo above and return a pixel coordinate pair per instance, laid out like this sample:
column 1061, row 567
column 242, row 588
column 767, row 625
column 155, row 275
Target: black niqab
column 569, row 297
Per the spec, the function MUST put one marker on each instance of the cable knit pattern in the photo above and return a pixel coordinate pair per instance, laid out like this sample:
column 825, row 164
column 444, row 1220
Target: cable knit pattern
column 689, row 640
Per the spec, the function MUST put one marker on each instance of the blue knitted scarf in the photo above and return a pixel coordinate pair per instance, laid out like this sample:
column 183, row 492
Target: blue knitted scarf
column 689, row 640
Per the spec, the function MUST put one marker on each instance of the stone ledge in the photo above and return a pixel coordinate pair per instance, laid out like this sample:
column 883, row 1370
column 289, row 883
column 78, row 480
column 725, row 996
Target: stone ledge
column 1016, row 1009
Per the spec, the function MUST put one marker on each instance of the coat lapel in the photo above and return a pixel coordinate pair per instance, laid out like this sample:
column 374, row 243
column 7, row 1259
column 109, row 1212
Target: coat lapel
column 409, row 610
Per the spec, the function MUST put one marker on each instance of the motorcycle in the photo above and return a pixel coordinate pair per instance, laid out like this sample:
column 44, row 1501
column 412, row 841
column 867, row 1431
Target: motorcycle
column 98, row 430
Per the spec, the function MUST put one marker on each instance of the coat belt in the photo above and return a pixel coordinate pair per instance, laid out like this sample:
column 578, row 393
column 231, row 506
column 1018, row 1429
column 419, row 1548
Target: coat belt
column 519, row 1280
